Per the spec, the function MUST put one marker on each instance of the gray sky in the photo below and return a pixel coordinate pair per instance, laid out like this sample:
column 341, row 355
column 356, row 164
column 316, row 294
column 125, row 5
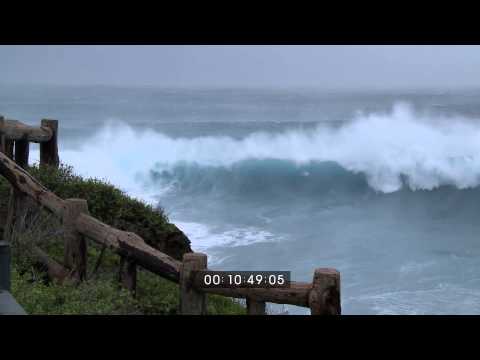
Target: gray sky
column 266, row 66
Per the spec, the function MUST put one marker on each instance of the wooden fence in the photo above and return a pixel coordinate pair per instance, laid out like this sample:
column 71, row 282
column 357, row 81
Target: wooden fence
column 322, row 295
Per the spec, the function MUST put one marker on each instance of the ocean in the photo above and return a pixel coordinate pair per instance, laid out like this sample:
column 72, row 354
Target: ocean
column 381, row 185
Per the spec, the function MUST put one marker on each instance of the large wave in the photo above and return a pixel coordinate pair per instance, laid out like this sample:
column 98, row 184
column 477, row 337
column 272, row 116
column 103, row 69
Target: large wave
column 388, row 150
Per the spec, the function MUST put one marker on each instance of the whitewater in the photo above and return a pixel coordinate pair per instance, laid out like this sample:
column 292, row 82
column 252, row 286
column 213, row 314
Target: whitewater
column 392, row 150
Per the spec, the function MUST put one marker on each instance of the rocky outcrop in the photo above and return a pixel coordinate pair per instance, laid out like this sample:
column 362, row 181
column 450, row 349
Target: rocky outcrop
column 171, row 241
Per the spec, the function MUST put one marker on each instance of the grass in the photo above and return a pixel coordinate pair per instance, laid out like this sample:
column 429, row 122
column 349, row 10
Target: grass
column 90, row 298
column 101, row 293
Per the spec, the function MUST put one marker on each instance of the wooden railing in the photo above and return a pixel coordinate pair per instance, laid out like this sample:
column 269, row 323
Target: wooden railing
column 322, row 295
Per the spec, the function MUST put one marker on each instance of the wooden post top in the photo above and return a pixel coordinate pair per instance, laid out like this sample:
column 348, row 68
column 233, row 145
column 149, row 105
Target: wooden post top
column 77, row 203
column 75, row 207
column 324, row 297
column 49, row 122
column 192, row 301
column 49, row 150
column 197, row 258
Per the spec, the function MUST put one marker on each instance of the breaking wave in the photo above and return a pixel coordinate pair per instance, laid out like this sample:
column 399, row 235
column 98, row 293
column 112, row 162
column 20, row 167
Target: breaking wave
column 384, row 151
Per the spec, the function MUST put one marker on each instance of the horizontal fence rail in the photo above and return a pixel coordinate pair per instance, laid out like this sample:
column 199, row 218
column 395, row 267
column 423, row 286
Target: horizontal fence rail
column 296, row 294
column 322, row 296
column 15, row 130
column 13, row 133
column 129, row 245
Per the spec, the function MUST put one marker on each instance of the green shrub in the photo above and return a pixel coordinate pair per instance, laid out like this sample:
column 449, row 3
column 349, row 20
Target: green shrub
column 105, row 201
column 99, row 297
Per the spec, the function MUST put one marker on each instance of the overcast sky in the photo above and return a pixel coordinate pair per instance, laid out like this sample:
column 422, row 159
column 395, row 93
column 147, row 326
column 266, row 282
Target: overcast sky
column 265, row 66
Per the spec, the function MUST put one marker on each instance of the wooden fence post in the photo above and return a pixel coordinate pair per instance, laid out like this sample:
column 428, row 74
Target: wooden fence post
column 22, row 149
column 256, row 307
column 128, row 274
column 21, row 211
column 75, row 251
column 9, row 148
column 192, row 301
column 324, row 298
column 19, row 204
column 49, row 149
column 10, row 220
column 2, row 136
column 6, row 146
column 5, row 280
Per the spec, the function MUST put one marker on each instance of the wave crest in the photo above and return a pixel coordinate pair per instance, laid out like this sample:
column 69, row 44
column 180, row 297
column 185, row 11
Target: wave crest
column 391, row 150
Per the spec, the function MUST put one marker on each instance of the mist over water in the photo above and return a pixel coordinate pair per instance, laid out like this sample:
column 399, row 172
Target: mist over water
column 383, row 187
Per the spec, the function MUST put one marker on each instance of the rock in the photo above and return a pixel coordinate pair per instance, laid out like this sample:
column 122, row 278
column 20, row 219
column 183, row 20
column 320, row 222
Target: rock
column 172, row 241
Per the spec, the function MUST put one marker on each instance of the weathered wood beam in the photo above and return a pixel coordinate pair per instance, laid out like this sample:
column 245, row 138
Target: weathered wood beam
column 192, row 301
column 18, row 208
column 24, row 183
column 128, row 275
column 16, row 130
column 54, row 269
column 75, row 250
column 18, row 203
column 256, row 307
column 6, row 145
column 22, row 150
column 9, row 145
column 296, row 294
column 129, row 245
column 324, row 298
column 5, row 259
column 8, row 226
column 49, row 148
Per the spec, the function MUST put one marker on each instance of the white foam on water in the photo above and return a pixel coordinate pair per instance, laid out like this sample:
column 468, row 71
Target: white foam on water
column 412, row 267
column 204, row 239
column 443, row 299
column 428, row 151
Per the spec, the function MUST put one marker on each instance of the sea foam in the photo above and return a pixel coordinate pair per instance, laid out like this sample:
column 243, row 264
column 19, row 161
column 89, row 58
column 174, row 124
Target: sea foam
column 392, row 149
